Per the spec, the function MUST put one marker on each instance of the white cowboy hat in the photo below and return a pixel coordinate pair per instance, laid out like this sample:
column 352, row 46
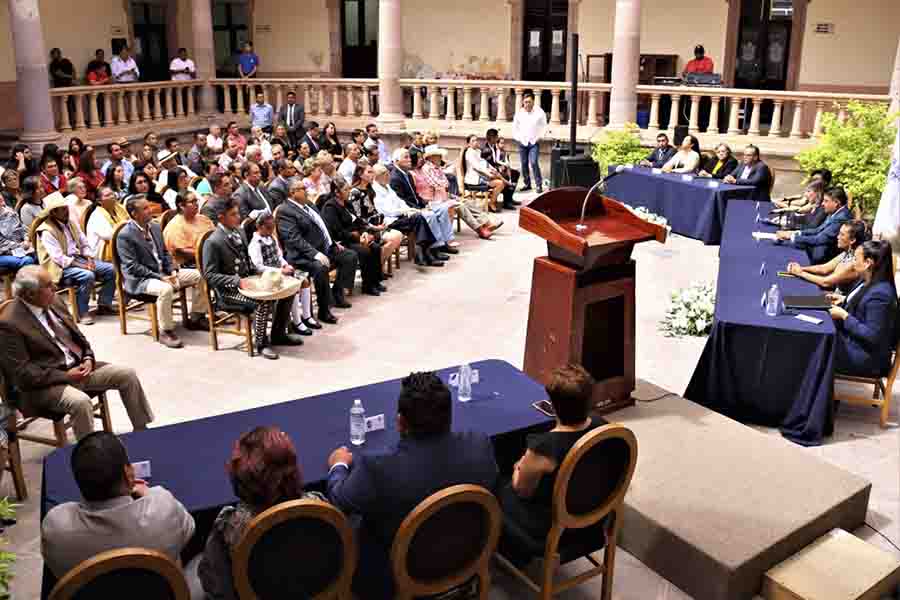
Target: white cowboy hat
column 164, row 155
column 435, row 150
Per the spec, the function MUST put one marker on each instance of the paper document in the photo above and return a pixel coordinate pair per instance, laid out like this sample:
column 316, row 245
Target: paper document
column 764, row 235
column 809, row 319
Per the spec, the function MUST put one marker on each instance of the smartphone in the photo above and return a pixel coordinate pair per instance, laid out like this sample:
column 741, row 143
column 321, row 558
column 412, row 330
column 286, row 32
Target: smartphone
column 545, row 407
column 785, row 274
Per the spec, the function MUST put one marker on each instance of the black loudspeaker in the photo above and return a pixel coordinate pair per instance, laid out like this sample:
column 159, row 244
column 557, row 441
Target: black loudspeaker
column 579, row 170
column 681, row 132
column 558, row 152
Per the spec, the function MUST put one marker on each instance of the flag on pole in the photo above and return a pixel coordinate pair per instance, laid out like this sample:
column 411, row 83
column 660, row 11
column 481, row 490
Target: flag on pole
column 887, row 218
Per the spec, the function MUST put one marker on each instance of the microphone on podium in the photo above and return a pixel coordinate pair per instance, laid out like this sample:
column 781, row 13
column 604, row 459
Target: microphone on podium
column 602, row 185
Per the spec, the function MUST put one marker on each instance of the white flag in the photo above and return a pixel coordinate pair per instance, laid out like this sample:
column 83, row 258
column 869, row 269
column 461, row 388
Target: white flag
column 887, row 219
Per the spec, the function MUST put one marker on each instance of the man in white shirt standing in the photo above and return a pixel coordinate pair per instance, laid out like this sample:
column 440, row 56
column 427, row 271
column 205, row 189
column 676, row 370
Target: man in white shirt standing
column 124, row 69
column 529, row 126
column 182, row 68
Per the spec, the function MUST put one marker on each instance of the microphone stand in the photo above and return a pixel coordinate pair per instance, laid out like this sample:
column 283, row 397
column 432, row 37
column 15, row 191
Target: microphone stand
column 602, row 185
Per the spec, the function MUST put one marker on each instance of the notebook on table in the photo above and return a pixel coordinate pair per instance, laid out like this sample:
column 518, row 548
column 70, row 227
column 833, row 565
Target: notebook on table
column 817, row 302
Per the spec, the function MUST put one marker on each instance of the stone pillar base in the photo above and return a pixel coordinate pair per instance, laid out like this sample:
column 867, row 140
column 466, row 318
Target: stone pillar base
column 36, row 140
column 391, row 122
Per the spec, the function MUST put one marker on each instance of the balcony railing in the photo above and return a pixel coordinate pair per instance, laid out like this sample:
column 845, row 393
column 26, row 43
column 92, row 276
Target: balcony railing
column 320, row 97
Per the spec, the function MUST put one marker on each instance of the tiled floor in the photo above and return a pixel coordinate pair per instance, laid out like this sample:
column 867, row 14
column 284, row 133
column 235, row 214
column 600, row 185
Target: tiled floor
column 476, row 307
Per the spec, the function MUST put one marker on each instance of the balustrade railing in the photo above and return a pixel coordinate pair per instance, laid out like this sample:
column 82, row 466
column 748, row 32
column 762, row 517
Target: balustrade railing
column 320, row 97
column 91, row 107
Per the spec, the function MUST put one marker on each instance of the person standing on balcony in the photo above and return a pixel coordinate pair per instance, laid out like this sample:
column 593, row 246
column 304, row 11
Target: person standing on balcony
column 293, row 116
column 61, row 70
column 124, row 69
column 182, row 68
column 99, row 62
column 248, row 62
column 529, row 126
column 261, row 114
column 700, row 64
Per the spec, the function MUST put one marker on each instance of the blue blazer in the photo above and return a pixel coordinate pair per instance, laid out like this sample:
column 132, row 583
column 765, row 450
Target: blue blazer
column 758, row 177
column 660, row 157
column 386, row 487
column 867, row 337
column 821, row 242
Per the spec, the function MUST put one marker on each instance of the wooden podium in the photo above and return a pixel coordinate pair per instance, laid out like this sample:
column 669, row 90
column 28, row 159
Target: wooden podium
column 582, row 294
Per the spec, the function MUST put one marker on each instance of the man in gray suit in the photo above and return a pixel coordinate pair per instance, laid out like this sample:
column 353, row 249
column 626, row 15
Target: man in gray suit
column 118, row 510
column 252, row 196
column 147, row 269
column 278, row 189
column 293, row 116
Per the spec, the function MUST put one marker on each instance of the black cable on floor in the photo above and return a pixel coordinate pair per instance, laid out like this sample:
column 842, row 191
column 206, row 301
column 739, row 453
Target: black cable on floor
column 886, row 538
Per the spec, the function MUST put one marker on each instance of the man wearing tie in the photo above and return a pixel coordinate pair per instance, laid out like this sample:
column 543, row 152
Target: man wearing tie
column 311, row 138
column 292, row 115
column 50, row 365
column 661, row 154
column 252, row 197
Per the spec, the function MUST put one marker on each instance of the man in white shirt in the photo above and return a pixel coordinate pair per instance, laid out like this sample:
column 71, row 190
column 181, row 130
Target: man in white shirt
column 118, row 511
column 231, row 154
column 384, row 155
column 529, row 126
column 348, row 165
column 124, row 69
column 182, row 68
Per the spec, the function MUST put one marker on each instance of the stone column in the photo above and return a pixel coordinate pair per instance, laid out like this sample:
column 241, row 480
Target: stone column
column 626, row 62
column 895, row 82
column 32, row 84
column 390, row 62
column 204, row 54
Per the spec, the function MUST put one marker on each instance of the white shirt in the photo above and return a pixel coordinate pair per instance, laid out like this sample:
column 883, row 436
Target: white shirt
column 529, row 127
column 347, row 169
column 388, row 203
column 180, row 65
column 684, row 162
column 42, row 315
column 746, row 172
column 119, row 68
column 474, row 163
column 215, row 144
column 255, row 251
column 99, row 232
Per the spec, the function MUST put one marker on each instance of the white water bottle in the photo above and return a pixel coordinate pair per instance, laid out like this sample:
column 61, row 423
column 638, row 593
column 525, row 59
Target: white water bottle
column 357, row 423
column 773, row 301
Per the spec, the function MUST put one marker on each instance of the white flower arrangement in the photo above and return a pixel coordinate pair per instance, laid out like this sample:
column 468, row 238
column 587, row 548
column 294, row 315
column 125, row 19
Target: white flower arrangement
column 643, row 213
column 691, row 311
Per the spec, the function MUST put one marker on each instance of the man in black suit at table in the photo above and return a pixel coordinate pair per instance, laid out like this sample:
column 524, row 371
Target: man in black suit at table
column 752, row 171
column 311, row 138
column 293, row 116
column 308, row 247
column 384, row 488
column 661, row 154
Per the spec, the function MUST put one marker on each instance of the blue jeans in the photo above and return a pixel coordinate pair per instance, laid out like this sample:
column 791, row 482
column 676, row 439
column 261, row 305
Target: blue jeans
column 84, row 281
column 8, row 262
column 440, row 225
column 530, row 157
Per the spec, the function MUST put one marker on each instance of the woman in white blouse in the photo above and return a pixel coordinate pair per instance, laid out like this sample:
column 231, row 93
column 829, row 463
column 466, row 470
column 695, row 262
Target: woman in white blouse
column 687, row 159
column 103, row 220
column 478, row 175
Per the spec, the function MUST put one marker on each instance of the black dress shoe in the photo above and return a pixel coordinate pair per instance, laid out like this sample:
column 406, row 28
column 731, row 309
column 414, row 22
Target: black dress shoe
column 381, row 288
column 420, row 257
column 341, row 303
column 448, row 250
column 311, row 323
column 287, row 339
column 267, row 352
column 527, row 188
column 439, row 256
column 371, row 291
column 516, row 203
column 327, row 318
column 431, row 261
column 200, row 324
column 299, row 329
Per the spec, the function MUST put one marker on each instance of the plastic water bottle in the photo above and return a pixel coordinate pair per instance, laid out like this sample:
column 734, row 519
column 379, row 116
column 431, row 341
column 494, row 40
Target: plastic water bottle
column 465, row 383
column 773, row 301
column 357, row 423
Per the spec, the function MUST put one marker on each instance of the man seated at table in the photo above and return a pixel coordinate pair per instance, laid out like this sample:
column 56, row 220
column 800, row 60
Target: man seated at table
column 118, row 510
column 821, row 243
column 147, row 269
column 661, row 154
column 686, row 160
column 51, row 365
column 384, row 488
column 752, row 171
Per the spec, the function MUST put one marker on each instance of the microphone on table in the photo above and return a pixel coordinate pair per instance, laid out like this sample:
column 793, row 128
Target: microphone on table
column 602, row 185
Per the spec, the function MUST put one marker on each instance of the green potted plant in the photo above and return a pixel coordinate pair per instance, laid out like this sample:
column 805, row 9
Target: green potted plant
column 857, row 152
column 7, row 511
column 617, row 147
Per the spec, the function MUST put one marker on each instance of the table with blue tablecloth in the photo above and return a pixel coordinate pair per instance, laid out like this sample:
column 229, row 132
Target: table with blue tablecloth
column 189, row 458
column 769, row 370
column 693, row 208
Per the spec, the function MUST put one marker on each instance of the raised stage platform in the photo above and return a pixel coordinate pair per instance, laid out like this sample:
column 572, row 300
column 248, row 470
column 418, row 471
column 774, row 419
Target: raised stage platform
column 714, row 503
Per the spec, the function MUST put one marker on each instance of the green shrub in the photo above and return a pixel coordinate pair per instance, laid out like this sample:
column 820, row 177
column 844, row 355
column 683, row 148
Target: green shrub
column 622, row 147
column 857, row 152
column 7, row 511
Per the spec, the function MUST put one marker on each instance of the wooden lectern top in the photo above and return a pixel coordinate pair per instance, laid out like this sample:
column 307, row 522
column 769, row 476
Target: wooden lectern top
column 612, row 229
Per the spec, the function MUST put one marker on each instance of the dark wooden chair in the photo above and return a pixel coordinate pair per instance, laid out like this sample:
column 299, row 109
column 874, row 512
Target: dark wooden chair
column 166, row 218
column 70, row 292
column 882, row 389
column 11, row 456
column 445, row 542
column 122, row 573
column 587, row 502
column 265, row 563
column 233, row 323
column 86, row 216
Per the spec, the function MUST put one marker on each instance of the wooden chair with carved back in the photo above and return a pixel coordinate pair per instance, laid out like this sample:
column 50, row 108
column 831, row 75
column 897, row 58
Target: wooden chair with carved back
column 121, row 573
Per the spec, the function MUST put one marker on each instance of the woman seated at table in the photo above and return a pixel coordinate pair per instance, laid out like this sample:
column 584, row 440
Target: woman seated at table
column 838, row 272
column 721, row 165
column 264, row 472
column 799, row 201
column 866, row 324
column 687, row 159
column 527, row 500
column 809, row 214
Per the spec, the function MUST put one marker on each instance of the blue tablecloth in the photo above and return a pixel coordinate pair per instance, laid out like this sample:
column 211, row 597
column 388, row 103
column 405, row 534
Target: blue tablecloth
column 693, row 208
column 189, row 458
column 769, row 370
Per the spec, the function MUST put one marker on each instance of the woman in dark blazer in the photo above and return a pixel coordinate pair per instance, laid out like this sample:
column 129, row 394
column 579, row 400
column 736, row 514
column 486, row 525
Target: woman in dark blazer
column 866, row 327
column 329, row 140
column 721, row 165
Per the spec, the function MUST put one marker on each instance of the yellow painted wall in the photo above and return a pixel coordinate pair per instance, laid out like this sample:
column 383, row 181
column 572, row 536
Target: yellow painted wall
column 666, row 27
column 470, row 36
column 862, row 49
column 298, row 40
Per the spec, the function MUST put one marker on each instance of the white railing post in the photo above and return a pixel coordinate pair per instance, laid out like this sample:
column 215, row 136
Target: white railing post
column 592, row 108
column 434, row 109
column 321, row 109
column 335, row 100
column 93, row 114
column 307, row 100
column 173, row 99
column 146, row 113
column 775, row 128
column 674, row 114
column 519, row 93
column 366, row 102
column 501, row 105
column 653, row 125
column 451, row 103
column 79, row 112
column 734, row 115
column 64, row 124
column 226, row 94
column 694, row 123
column 819, row 126
column 107, row 111
column 797, row 124
column 485, row 110
column 190, row 98
column 241, row 110
column 121, row 113
column 467, row 103
column 554, row 107
column 713, row 126
column 417, row 102
column 754, row 117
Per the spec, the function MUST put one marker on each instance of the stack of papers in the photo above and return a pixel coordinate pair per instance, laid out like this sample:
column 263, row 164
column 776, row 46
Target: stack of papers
column 763, row 235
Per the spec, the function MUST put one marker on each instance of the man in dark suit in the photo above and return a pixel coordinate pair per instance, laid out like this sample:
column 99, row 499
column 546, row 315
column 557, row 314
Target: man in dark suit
column 278, row 189
column 308, row 247
column 661, row 154
column 222, row 188
column 820, row 242
column 50, row 365
column 384, row 488
column 226, row 266
column 311, row 137
column 147, row 268
column 293, row 117
column 252, row 196
column 752, row 171
column 438, row 219
column 495, row 156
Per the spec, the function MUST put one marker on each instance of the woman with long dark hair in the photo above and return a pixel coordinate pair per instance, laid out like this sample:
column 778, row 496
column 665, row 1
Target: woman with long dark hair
column 115, row 180
column 866, row 318
column 362, row 204
column 89, row 173
column 142, row 183
column 33, row 193
column 22, row 161
column 329, row 141
column 73, row 154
